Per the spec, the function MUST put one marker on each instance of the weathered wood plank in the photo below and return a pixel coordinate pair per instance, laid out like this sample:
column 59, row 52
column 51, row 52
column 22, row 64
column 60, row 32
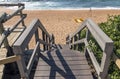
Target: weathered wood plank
column 79, row 41
column 32, row 59
column 72, row 67
column 9, row 59
column 67, row 77
column 74, row 73
column 94, row 61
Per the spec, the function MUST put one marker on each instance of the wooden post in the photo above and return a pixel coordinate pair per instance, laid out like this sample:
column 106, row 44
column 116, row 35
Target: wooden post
column 79, row 39
column 21, row 63
column 21, row 15
column 43, row 36
column 36, row 36
column 37, row 39
column 75, row 39
column 46, row 37
column 69, row 41
column 87, row 35
column 6, row 44
column 49, row 43
column 87, row 39
column 53, row 39
column 72, row 41
column 105, row 62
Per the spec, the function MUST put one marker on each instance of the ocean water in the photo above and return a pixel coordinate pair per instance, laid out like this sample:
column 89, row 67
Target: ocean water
column 66, row 4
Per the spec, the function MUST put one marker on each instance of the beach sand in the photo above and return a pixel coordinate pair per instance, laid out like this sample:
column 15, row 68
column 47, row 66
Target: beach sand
column 62, row 22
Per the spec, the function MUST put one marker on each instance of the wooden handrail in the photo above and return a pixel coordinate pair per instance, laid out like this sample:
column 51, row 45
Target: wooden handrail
column 10, row 59
column 101, row 38
column 4, row 17
column 23, row 41
column 5, row 33
column 27, row 35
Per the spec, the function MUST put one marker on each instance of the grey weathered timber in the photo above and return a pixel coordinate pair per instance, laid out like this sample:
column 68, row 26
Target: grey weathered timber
column 4, row 17
column 32, row 59
column 23, row 24
column 9, row 36
column 27, row 35
column 62, row 64
column 20, row 45
column 6, row 33
column 21, row 63
column 15, row 26
column 4, row 39
column 14, row 13
column 105, row 43
column 43, row 37
column 9, row 59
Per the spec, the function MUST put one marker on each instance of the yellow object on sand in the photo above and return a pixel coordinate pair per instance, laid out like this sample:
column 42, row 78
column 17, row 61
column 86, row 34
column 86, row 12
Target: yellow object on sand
column 78, row 20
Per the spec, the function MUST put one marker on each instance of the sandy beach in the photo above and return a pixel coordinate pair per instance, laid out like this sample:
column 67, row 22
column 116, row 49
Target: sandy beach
column 61, row 22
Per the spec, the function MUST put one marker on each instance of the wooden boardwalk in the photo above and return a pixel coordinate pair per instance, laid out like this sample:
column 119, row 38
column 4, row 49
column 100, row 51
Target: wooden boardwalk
column 62, row 64
column 47, row 60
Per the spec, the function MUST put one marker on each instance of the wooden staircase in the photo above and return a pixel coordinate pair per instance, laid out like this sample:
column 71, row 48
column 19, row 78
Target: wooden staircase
column 50, row 61
column 62, row 63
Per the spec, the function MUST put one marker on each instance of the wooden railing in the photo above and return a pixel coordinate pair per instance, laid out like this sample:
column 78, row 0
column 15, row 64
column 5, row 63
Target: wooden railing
column 22, row 43
column 105, row 43
column 6, row 31
column 5, row 17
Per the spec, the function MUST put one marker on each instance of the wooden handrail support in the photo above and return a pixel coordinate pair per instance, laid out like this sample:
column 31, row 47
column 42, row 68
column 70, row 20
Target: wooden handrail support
column 9, row 59
column 23, row 41
column 102, row 39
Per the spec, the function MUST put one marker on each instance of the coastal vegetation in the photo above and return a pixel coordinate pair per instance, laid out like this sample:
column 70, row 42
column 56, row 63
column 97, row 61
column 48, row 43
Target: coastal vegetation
column 112, row 28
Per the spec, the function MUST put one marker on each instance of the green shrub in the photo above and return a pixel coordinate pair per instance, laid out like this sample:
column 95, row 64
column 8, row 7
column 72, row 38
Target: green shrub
column 112, row 29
